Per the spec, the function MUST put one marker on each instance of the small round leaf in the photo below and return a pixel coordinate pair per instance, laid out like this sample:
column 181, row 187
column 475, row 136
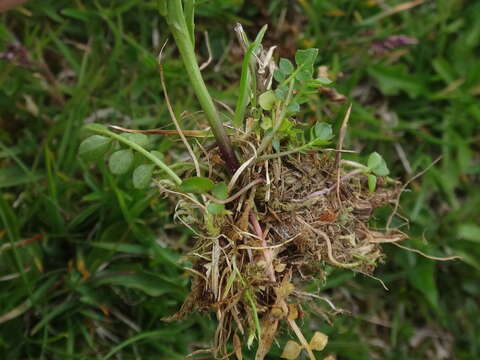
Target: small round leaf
column 137, row 138
column 374, row 160
column 94, row 147
column 306, row 57
column 286, row 66
column 215, row 209
column 377, row 164
column 323, row 131
column 120, row 161
column 197, row 184
column 142, row 175
column 159, row 155
column 267, row 100
column 220, row 191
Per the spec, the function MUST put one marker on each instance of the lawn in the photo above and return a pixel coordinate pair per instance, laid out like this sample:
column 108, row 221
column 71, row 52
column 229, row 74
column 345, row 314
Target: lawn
column 90, row 264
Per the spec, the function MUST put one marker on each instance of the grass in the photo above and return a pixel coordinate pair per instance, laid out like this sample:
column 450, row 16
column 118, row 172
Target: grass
column 100, row 266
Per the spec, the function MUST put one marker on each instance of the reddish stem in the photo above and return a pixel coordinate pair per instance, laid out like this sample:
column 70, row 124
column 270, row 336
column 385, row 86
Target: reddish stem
column 267, row 254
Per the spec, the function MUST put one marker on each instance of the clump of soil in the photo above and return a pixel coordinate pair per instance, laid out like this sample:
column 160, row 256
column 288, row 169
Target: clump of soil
column 289, row 217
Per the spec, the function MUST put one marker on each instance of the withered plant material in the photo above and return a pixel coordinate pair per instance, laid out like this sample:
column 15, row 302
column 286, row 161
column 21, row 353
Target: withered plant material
column 249, row 277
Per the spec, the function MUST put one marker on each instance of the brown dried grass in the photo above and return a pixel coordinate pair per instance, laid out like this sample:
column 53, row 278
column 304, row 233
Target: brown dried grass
column 287, row 224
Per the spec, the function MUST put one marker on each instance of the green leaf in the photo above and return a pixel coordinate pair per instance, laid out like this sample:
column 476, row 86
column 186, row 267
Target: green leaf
column 377, row 164
column 162, row 7
column 320, row 81
column 197, row 185
column 374, row 160
column 267, row 100
column 306, row 57
column 94, row 147
column 394, row 79
column 276, row 145
column 245, row 91
column 139, row 139
column 304, row 74
column 266, row 123
column 215, row 209
column 422, row 276
column 120, row 161
column 285, row 66
column 293, row 108
column 152, row 285
column 278, row 76
column 159, row 155
column 281, row 92
column 372, row 182
column 469, row 232
column 220, row 191
column 14, row 176
column 142, row 175
column 323, row 131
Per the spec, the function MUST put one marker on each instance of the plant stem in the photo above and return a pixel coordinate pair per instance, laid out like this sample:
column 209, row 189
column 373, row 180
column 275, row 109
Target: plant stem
column 179, row 29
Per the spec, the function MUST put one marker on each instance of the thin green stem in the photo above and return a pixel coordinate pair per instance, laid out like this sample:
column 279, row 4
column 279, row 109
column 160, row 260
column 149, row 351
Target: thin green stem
column 180, row 31
column 269, row 137
column 138, row 148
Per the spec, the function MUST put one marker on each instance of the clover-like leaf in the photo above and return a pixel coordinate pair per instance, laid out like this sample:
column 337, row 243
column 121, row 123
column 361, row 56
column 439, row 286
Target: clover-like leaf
column 120, row 161
column 374, row 160
column 281, row 92
column 137, row 138
column 285, row 66
column 306, row 57
column 266, row 123
column 94, row 147
column 267, row 100
column 323, row 131
column 142, row 175
column 220, row 191
column 159, row 155
column 293, row 108
column 278, row 76
column 377, row 164
column 197, row 184
column 215, row 209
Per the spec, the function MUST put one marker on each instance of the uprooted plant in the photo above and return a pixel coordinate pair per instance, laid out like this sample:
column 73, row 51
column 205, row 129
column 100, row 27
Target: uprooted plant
column 271, row 202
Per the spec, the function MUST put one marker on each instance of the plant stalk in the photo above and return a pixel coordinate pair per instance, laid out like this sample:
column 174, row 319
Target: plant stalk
column 179, row 29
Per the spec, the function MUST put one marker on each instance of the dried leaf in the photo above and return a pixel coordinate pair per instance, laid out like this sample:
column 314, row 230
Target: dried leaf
column 292, row 312
column 291, row 351
column 285, row 289
column 319, row 341
column 269, row 329
column 280, row 267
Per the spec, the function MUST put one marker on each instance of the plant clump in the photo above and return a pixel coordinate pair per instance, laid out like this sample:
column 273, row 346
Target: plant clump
column 292, row 208
column 250, row 273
